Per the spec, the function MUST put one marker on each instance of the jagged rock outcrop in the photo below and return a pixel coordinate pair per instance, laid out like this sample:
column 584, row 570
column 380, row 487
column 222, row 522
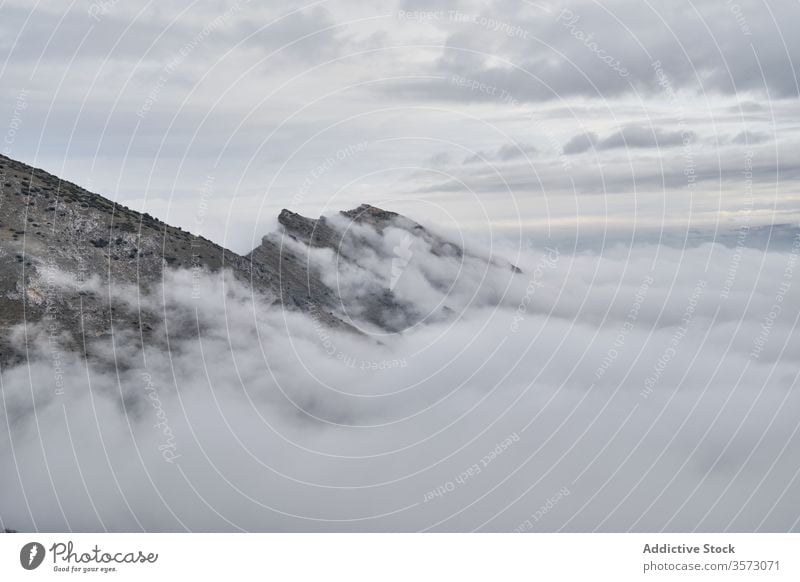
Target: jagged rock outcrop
column 301, row 280
column 319, row 233
column 357, row 239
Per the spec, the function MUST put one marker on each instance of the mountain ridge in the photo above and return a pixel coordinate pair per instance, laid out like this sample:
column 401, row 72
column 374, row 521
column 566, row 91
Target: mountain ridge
column 48, row 224
column 65, row 252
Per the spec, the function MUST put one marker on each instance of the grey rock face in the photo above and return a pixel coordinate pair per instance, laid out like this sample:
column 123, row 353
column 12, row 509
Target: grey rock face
column 49, row 227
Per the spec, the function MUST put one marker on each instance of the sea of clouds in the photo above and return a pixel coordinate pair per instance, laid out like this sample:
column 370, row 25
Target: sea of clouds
column 638, row 388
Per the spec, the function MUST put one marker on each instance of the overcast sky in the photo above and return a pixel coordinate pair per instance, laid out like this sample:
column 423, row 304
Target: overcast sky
column 501, row 114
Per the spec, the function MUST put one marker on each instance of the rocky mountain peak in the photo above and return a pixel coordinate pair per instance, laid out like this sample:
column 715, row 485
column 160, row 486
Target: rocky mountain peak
column 370, row 214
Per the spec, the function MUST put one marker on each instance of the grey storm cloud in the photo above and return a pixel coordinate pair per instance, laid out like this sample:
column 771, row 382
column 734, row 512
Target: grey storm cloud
column 307, row 35
column 645, row 137
column 107, row 30
column 634, row 171
column 750, row 137
column 504, row 153
column 628, row 137
column 602, row 52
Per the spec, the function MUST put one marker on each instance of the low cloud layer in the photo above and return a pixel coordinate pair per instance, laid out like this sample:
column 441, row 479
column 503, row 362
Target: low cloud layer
column 648, row 388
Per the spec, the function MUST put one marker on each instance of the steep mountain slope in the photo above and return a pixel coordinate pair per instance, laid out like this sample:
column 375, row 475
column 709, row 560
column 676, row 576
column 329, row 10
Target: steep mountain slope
column 66, row 254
